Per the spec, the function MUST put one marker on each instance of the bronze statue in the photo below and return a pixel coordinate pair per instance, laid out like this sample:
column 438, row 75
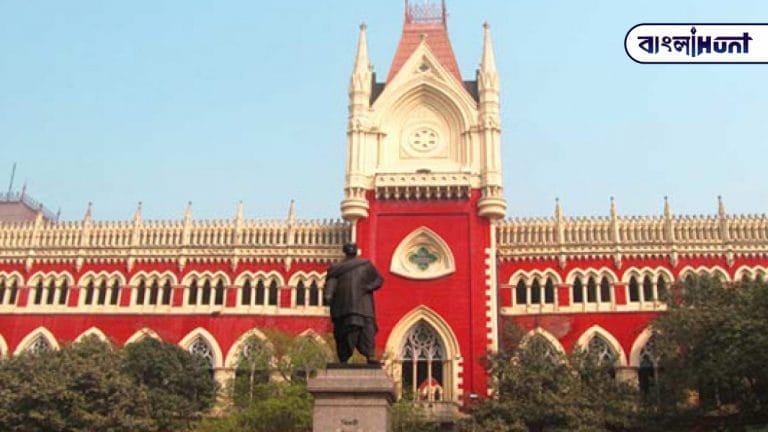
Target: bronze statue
column 349, row 287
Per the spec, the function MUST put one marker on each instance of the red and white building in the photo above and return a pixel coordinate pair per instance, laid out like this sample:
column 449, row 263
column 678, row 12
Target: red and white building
column 423, row 199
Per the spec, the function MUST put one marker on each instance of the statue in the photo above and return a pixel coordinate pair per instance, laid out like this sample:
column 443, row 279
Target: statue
column 349, row 287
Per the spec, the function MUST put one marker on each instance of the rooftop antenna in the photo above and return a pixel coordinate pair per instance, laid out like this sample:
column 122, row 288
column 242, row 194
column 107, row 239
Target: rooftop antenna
column 13, row 174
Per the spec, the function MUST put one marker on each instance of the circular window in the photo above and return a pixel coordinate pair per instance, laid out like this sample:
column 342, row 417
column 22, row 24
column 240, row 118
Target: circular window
column 424, row 139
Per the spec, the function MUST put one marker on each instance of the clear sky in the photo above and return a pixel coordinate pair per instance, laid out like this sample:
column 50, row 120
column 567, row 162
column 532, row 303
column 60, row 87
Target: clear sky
column 166, row 102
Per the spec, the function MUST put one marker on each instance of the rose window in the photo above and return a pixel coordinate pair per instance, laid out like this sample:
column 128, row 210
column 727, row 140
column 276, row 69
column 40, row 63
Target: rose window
column 424, row 139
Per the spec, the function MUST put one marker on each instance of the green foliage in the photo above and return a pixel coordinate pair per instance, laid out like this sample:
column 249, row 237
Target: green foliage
column 179, row 386
column 714, row 339
column 539, row 389
column 408, row 416
column 79, row 388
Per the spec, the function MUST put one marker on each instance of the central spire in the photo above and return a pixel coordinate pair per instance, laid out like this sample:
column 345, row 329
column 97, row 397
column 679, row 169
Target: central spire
column 426, row 21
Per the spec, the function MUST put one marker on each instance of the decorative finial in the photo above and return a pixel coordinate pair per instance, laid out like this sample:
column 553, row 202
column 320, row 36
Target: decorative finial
column 613, row 207
column 486, row 25
column 188, row 212
column 363, row 26
column 667, row 209
column 720, row 206
column 23, row 190
column 88, row 212
column 137, row 215
column 240, row 213
column 292, row 212
column 558, row 210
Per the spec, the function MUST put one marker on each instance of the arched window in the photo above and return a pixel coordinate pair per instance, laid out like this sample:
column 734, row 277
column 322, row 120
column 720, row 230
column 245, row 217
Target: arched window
column 648, row 289
column 422, row 358
column 89, row 291
column 550, row 352
column 591, row 290
column 167, row 290
column 605, row 290
column 536, row 292
column 273, row 293
column 648, row 370
column 39, row 345
column 154, row 291
column 602, row 351
column 301, row 294
column 114, row 293
column 577, row 291
column 245, row 295
column 206, row 300
column 521, row 296
column 661, row 288
column 2, row 291
column 141, row 292
column 50, row 292
column 634, row 290
column 260, row 293
column 8, row 292
column 549, row 291
column 192, row 299
column 63, row 292
column 202, row 349
column 314, row 294
column 103, row 293
column 218, row 295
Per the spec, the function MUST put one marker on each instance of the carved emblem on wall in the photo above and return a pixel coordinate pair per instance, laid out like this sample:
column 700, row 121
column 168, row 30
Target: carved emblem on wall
column 422, row 254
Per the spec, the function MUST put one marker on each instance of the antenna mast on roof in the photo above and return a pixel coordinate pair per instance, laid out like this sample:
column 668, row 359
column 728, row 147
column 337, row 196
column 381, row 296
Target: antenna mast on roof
column 13, row 174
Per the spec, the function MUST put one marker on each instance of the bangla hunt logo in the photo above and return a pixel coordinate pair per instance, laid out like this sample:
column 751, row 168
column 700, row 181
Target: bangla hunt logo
column 697, row 43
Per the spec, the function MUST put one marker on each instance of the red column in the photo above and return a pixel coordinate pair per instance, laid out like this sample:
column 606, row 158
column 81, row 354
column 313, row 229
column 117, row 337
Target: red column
column 74, row 296
column 23, row 297
column 285, row 297
column 231, row 299
column 620, row 293
column 563, row 295
column 178, row 296
column 125, row 296
column 505, row 295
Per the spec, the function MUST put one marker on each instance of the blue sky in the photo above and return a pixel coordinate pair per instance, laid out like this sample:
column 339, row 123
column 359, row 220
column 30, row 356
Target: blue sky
column 214, row 102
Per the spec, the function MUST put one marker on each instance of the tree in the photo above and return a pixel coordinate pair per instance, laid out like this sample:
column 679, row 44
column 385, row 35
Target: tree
column 712, row 346
column 78, row 388
column 179, row 386
column 536, row 388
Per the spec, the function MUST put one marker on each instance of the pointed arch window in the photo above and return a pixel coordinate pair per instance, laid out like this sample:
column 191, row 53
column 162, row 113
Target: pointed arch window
column 141, row 292
column 591, row 290
column 167, row 291
column 273, row 293
column 634, row 290
column 202, row 349
column 260, row 292
column 102, row 293
column 605, row 290
column 8, row 292
column 192, row 300
column 50, row 292
column 89, row 291
column 602, row 351
column 114, row 293
column 245, row 293
column 206, row 300
column 63, row 292
column 550, row 352
column 423, row 364
column 521, row 293
column 536, row 292
column 549, row 291
column 218, row 293
column 661, row 288
column 154, row 292
column 648, row 289
column 39, row 345
column 314, row 294
column 577, row 291
column 648, row 369
column 301, row 294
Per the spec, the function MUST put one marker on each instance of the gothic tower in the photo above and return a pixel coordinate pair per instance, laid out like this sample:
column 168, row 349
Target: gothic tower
column 423, row 187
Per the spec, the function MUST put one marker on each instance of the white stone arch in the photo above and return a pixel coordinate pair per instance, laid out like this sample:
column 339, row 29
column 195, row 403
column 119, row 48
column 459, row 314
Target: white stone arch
column 322, row 342
column 142, row 333
column 307, row 277
column 213, row 277
column 751, row 271
column 32, row 336
column 397, row 337
column 233, row 355
column 266, row 277
column 3, row 347
column 218, row 357
column 653, row 273
column 95, row 331
column 11, row 277
column 47, row 277
column 714, row 271
column 422, row 236
column 595, row 330
column 637, row 346
column 586, row 273
column 109, row 277
column 530, row 275
column 538, row 331
column 161, row 277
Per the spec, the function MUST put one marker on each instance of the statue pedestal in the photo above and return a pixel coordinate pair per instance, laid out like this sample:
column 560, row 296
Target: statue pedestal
column 352, row 398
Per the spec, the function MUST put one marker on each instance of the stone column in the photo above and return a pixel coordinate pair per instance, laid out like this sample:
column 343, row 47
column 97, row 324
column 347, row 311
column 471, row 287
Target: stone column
column 352, row 398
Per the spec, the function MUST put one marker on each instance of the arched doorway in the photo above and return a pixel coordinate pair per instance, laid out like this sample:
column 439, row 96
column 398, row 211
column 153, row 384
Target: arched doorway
column 423, row 364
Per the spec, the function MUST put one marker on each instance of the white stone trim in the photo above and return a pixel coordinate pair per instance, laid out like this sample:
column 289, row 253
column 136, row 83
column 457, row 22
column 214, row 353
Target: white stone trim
column 32, row 336
column 538, row 331
column 637, row 346
column 751, row 271
column 142, row 333
column 267, row 277
column 396, row 340
column 583, row 342
column 186, row 341
column 92, row 331
column 714, row 271
column 161, row 277
column 423, row 237
column 234, row 351
column 3, row 347
column 213, row 277
column 491, row 294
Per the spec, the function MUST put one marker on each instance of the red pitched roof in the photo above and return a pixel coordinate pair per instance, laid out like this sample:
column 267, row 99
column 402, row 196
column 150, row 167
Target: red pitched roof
column 437, row 40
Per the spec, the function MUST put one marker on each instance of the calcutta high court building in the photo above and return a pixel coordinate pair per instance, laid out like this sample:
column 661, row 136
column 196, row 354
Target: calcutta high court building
column 423, row 199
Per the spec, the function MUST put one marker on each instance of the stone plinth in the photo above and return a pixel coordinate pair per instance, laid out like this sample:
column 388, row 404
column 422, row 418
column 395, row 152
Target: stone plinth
column 352, row 398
